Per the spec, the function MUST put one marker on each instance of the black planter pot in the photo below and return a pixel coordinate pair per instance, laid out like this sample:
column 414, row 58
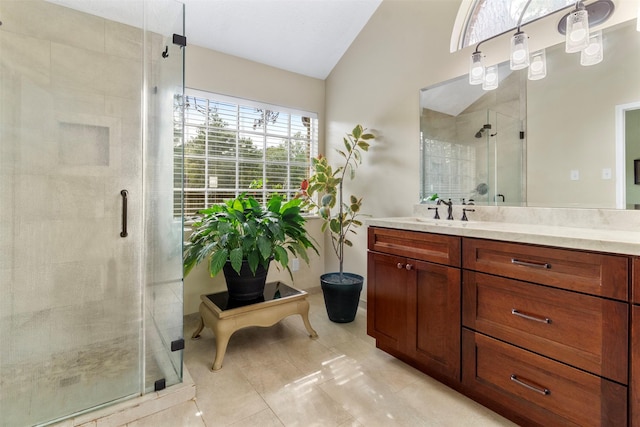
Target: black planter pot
column 245, row 286
column 341, row 298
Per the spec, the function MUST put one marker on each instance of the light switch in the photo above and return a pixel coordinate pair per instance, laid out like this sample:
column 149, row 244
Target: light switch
column 575, row 174
column 606, row 173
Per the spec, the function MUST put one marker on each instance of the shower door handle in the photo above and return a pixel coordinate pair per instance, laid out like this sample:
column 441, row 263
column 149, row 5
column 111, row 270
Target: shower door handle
column 124, row 194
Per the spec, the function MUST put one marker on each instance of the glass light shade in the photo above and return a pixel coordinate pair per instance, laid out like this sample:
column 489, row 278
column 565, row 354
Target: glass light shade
column 476, row 69
column 577, row 31
column 538, row 65
column 593, row 53
column 491, row 80
column 519, row 51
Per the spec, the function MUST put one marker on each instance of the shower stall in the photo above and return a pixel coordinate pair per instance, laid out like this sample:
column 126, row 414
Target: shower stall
column 90, row 265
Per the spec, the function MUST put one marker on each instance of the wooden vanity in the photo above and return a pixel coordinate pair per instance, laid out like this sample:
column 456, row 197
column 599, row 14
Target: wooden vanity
column 542, row 335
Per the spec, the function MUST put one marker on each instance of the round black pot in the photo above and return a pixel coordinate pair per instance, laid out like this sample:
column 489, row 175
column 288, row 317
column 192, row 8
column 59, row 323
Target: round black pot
column 245, row 286
column 341, row 298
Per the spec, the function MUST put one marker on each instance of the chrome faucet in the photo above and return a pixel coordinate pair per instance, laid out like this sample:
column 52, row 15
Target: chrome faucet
column 449, row 207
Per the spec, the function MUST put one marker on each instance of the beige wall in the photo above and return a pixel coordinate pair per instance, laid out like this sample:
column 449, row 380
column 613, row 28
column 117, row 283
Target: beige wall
column 403, row 48
column 228, row 75
column 571, row 123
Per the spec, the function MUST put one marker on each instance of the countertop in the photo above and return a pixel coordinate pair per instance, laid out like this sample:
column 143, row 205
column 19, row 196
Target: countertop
column 625, row 242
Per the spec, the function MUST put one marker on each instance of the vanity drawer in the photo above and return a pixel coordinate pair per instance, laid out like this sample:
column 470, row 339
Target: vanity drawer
column 585, row 331
column 548, row 392
column 436, row 248
column 592, row 273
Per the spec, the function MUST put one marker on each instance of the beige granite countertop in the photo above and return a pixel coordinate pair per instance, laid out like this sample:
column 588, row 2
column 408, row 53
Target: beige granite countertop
column 600, row 233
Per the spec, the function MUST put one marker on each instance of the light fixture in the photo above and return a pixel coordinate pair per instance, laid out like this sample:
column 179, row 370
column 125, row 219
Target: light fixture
column 593, row 53
column 575, row 25
column 577, row 28
column 538, row 65
column 519, row 58
column 491, row 80
column 476, row 69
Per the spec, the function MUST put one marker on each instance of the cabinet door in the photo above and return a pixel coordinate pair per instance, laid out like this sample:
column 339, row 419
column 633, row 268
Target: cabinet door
column 387, row 300
column 434, row 317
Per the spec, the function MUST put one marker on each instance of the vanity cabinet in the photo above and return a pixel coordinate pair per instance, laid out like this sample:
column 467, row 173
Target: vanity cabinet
column 547, row 335
column 540, row 337
column 413, row 298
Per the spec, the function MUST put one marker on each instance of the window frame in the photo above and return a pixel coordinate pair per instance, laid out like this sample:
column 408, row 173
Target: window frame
column 285, row 135
column 469, row 8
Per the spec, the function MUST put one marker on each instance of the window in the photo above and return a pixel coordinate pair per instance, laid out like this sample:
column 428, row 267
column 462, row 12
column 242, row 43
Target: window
column 485, row 19
column 234, row 146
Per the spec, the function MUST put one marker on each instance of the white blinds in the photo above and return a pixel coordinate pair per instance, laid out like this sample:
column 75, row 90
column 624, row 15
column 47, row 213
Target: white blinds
column 234, row 146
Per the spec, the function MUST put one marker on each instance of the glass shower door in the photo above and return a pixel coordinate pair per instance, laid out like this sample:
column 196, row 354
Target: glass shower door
column 75, row 150
column 163, row 218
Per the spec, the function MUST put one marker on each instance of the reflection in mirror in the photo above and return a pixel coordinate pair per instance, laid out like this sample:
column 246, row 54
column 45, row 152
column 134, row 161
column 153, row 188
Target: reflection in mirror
column 571, row 126
column 582, row 132
column 472, row 151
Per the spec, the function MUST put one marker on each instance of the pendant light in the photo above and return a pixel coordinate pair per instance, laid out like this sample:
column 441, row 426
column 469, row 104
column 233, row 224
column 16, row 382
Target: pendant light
column 577, row 36
column 593, row 53
column 538, row 65
column 476, row 68
column 519, row 57
column 491, row 80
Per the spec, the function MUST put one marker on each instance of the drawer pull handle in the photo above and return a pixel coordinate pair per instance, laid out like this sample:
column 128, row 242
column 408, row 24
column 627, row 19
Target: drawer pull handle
column 530, row 317
column 400, row 266
column 541, row 390
column 409, row 266
column 530, row 263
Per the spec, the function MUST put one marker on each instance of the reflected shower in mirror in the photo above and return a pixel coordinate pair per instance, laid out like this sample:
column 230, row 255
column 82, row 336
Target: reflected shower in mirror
column 469, row 140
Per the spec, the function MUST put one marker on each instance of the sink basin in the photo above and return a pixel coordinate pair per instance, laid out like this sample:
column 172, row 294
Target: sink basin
column 442, row 222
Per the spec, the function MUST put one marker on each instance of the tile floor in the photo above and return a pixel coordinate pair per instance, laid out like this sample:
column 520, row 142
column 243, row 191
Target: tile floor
column 278, row 376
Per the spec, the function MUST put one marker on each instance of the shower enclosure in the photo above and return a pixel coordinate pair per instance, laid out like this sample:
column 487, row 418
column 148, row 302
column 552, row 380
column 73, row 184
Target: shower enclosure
column 90, row 265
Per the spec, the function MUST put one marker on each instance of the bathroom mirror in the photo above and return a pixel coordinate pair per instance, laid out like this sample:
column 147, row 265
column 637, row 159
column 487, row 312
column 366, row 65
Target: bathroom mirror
column 573, row 151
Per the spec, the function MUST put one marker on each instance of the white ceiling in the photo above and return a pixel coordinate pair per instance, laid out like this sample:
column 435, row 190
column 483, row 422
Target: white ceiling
column 303, row 36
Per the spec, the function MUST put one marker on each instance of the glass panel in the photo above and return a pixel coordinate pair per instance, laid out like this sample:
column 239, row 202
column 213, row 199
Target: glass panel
column 70, row 306
column 163, row 230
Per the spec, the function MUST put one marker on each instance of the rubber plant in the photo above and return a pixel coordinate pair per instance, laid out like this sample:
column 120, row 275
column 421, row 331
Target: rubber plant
column 323, row 191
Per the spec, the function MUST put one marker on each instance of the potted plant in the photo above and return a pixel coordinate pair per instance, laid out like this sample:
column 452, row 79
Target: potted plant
column 324, row 192
column 241, row 237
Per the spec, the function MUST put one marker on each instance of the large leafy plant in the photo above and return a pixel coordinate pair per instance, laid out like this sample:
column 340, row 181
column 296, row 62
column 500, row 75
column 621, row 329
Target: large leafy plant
column 243, row 230
column 323, row 191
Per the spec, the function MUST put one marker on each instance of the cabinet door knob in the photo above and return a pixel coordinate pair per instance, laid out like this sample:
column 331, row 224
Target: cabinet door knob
column 400, row 265
column 409, row 266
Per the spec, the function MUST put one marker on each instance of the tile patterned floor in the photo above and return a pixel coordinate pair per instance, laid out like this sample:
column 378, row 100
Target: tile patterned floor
column 278, row 376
